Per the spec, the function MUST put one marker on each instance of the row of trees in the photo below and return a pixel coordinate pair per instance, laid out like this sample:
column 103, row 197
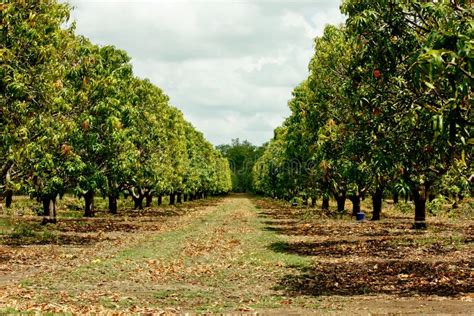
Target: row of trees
column 242, row 156
column 386, row 107
column 73, row 117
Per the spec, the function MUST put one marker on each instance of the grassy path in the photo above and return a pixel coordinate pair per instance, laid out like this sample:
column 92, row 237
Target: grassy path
column 214, row 261
column 229, row 257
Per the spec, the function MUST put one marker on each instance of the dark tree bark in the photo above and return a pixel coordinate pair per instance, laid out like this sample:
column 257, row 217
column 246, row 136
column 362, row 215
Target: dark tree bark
column 8, row 198
column 313, row 201
column 419, row 197
column 185, row 197
column 179, row 199
column 355, row 199
column 325, row 203
column 377, row 198
column 305, row 201
column 45, row 200
column 341, row 201
column 89, row 204
column 138, row 201
column 172, row 199
column 49, row 203
column 112, row 203
column 53, row 220
column 149, row 199
column 160, row 199
column 395, row 197
column 191, row 196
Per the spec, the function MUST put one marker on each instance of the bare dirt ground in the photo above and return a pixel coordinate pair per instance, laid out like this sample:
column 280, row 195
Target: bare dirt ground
column 240, row 255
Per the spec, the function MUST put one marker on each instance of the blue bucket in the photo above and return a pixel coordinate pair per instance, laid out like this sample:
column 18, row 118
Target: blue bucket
column 360, row 216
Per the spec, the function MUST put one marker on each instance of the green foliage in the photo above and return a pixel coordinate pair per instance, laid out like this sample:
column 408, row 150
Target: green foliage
column 404, row 207
column 74, row 118
column 436, row 205
column 242, row 157
column 387, row 105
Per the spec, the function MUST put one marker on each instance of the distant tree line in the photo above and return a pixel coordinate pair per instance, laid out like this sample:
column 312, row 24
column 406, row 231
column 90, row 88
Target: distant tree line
column 242, row 156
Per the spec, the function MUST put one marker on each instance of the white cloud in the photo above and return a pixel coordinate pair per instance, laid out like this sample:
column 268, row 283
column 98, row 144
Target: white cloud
column 229, row 65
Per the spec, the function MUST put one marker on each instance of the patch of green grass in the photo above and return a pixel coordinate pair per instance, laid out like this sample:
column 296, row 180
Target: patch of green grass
column 27, row 234
column 13, row 311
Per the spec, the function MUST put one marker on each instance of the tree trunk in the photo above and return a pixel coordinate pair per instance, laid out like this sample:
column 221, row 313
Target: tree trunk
column 419, row 197
column 355, row 199
column 377, row 198
column 395, row 197
column 172, row 199
column 8, row 198
column 313, row 201
column 341, row 201
column 112, row 204
column 179, row 199
column 160, row 199
column 325, row 203
column 305, row 201
column 53, row 220
column 89, row 204
column 185, row 197
column 138, row 201
column 46, row 206
column 149, row 199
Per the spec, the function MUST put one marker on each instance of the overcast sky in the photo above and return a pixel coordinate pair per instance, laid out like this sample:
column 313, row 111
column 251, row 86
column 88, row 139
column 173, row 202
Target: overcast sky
column 229, row 65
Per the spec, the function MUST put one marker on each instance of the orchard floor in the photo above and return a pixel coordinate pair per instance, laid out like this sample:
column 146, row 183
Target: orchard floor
column 239, row 254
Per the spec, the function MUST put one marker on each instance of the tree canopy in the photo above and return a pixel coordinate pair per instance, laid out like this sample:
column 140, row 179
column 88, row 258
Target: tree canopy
column 75, row 118
column 386, row 107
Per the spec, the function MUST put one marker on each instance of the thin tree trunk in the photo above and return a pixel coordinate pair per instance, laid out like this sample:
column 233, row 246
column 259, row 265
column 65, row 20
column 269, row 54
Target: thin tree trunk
column 149, row 199
column 325, row 203
column 313, row 201
column 8, row 198
column 46, row 206
column 138, row 201
column 172, row 199
column 355, row 199
column 185, row 197
column 395, row 197
column 160, row 199
column 89, row 204
column 53, row 220
column 419, row 197
column 377, row 198
column 179, row 199
column 49, row 203
column 341, row 201
column 112, row 203
column 305, row 200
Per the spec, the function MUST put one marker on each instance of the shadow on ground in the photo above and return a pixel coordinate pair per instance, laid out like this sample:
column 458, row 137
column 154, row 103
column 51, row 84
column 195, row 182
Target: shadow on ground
column 384, row 257
column 399, row 277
